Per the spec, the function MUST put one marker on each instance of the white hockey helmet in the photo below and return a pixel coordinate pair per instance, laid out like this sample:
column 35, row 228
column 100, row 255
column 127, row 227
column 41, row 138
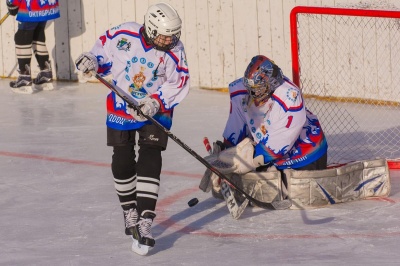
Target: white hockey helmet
column 162, row 20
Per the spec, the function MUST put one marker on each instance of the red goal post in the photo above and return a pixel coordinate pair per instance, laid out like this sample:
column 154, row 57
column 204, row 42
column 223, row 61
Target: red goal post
column 347, row 63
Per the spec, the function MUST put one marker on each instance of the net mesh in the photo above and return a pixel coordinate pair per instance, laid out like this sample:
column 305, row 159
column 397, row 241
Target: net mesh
column 350, row 73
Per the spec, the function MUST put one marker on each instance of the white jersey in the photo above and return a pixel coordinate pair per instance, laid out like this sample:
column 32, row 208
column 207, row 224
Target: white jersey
column 285, row 133
column 140, row 70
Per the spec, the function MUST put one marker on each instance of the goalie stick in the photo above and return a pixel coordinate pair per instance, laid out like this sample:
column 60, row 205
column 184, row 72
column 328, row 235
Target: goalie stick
column 277, row 205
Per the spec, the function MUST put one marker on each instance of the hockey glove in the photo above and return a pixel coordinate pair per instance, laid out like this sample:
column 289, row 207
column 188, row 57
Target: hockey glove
column 238, row 159
column 149, row 106
column 87, row 62
column 13, row 10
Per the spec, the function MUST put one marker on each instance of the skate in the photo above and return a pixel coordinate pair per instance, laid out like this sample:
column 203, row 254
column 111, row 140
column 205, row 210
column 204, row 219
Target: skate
column 130, row 217
column 142, row 238
column 23, row 84
column 44, row 79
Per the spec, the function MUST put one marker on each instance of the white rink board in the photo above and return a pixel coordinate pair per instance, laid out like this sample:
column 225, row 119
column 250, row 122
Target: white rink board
column 220, row 36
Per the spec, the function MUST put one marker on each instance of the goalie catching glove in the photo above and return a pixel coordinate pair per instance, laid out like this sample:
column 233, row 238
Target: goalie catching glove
column 238, row 159
column 148, row 106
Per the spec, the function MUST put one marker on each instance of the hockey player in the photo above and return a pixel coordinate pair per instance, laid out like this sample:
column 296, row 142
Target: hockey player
column 148, row 62
column 32, row 17
column 268, row 125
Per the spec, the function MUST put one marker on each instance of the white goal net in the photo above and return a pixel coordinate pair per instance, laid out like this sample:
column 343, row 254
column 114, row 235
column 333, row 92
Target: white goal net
column 347, row 63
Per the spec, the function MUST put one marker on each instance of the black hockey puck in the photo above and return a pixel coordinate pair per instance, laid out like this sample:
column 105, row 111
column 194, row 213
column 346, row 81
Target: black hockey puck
column 193, row 202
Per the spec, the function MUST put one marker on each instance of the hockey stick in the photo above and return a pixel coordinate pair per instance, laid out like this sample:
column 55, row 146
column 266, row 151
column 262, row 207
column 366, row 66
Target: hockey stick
column 278, row 205
column 4, row 18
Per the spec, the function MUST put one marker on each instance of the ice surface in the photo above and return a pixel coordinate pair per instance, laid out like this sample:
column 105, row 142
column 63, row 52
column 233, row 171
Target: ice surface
column 58, row 204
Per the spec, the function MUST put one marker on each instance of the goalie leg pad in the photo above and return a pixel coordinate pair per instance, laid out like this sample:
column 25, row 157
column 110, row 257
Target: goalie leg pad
column 269, row 184
column 354, row 181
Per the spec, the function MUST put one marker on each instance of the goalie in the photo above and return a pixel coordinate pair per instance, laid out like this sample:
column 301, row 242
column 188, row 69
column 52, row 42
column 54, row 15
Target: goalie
column 268, row 125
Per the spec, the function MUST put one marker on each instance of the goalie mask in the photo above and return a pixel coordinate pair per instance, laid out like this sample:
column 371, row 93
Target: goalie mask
column 162, row 27
column 261, row 78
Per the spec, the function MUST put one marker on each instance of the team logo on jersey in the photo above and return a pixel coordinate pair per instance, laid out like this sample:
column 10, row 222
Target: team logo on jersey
column 292, row 94
column 123, row 44
column 137, row 93
column 136, row 88
column 139, row 79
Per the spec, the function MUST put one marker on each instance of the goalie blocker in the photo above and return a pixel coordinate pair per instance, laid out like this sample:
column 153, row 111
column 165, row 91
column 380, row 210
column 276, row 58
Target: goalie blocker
column 319, row 188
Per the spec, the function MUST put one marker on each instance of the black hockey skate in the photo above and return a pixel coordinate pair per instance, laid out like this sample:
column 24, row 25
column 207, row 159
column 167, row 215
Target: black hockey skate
column 142, row 238
column 43, row 80
column 23, row 84
column 131, row 217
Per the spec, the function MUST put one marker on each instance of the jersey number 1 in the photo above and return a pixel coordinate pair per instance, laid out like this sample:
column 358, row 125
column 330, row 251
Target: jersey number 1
column 289, row 122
